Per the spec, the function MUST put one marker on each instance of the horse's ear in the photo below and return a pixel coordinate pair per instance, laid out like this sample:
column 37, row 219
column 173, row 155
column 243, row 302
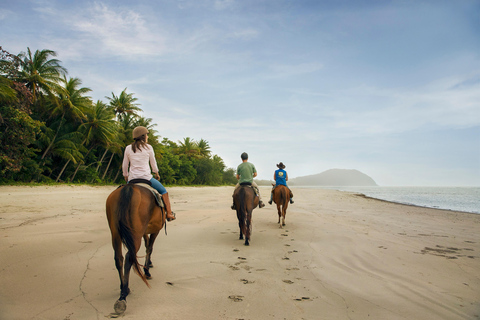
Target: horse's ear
column 273, row 184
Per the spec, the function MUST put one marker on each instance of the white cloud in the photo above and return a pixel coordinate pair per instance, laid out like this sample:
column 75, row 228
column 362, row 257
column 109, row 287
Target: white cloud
column 122, row 32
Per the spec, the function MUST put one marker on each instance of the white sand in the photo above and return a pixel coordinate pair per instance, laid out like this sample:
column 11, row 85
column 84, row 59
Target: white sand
column 340, row 256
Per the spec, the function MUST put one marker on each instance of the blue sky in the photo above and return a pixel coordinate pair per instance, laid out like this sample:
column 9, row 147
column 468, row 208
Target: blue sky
column 390, row 88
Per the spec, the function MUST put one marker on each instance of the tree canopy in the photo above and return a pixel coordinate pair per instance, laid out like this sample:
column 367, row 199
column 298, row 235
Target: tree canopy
column 51, row 130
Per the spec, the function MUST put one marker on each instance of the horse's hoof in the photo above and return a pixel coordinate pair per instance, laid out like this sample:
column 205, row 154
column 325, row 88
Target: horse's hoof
column 120, row 306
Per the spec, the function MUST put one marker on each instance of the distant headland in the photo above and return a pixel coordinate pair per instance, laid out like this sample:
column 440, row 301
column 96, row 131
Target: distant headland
column 332, row 177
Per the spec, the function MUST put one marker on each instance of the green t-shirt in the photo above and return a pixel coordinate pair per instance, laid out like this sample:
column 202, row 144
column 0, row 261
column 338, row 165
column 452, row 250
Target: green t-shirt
column 246, row 170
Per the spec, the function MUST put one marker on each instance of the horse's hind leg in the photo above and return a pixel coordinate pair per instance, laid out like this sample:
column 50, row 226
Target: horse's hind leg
column 117, row 248
column 240, row 225
column 149, row 240
column 279, row 210
column 120, row 306
column 284, row 210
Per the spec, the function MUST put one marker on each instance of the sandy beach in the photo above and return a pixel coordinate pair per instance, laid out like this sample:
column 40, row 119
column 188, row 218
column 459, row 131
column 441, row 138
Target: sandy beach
column 340, row 256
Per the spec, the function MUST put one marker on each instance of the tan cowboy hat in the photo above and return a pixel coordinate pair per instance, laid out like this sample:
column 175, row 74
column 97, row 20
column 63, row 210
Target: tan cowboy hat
column 281, row 165
column 139, row 131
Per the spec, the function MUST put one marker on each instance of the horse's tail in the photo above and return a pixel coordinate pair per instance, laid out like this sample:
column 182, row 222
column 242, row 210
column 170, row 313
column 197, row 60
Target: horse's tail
column 124, row 227
column 242, row 208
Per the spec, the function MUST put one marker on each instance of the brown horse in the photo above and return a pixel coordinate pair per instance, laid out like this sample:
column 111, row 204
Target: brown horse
column 245, row 201
column 132, row 214
column 281, row 196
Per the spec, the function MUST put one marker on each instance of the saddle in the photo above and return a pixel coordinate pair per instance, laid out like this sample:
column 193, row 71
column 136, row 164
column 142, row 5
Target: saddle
column 249, row 184
column 147, row 184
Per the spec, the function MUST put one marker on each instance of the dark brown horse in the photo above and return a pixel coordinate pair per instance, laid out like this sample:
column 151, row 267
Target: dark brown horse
column 132, row 215
column 245, row 201
column 281, row 196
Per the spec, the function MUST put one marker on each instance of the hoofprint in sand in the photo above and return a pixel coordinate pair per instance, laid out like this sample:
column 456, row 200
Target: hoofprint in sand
column 340, row 256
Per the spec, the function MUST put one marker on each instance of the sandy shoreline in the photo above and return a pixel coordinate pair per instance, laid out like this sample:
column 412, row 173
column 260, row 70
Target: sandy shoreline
column 340, row 256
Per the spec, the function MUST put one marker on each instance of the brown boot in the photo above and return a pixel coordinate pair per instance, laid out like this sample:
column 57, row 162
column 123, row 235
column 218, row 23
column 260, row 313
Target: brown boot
column 168, row 208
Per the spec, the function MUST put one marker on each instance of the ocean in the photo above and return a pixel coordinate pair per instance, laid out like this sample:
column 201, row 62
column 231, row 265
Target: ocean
column 465, row 199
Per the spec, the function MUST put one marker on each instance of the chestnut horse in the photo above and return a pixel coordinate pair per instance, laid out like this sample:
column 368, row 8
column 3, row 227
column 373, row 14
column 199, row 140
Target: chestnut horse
column 281, row 196
column 132, row 214
column 245, row 201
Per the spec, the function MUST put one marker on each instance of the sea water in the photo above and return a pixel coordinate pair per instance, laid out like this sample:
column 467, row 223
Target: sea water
column 465, row 199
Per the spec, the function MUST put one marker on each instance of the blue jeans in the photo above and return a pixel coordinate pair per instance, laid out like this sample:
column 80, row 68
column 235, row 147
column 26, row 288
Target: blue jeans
column 158, row 186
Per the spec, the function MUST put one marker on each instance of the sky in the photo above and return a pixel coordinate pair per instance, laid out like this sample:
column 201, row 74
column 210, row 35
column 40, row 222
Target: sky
column 389, row 88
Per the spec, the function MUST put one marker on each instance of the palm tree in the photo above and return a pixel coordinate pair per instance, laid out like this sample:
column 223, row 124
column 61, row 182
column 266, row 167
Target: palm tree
column 188, row 147
column 124, row 104
column 71, row 105
column 99, row 128
column 204, row 148
column 66, row 148
column 40, row 73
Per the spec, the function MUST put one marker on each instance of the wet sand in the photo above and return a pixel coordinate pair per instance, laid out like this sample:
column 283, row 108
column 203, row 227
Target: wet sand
column 340, row 256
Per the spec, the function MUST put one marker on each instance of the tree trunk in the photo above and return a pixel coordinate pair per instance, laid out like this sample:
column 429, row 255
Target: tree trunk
column 80, row 163
column 63, row 169
column 116, row 176
column 54, row 137
column 108, row 166
column 101, row 160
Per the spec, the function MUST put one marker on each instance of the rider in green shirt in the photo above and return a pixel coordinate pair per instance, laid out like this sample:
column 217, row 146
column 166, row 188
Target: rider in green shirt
column 245, row 173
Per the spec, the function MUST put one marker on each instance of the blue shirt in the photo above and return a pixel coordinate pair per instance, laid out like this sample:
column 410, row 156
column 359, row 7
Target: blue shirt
column 280, row 177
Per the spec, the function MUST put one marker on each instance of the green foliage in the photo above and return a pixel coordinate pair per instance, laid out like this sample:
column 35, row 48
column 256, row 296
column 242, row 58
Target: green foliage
column 50, row 130
column 17, row 134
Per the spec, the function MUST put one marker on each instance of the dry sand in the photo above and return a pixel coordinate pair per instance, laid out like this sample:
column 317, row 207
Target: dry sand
column 340, row 256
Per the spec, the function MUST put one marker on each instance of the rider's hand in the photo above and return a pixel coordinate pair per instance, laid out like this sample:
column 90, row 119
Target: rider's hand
column 157, row 176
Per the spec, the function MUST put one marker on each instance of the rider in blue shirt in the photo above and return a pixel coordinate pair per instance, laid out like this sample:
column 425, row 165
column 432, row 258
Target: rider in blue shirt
column 281, row 177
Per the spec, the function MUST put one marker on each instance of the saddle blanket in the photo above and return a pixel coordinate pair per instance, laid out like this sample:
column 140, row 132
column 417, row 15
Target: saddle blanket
column 158, row 197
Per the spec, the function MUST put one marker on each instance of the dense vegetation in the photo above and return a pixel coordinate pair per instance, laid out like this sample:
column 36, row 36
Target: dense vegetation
column 51, row 130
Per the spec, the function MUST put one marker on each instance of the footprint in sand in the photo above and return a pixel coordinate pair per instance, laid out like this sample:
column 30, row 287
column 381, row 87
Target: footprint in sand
column 236, row 298
column 245, row 281
column 288, row 281
column 302, row 299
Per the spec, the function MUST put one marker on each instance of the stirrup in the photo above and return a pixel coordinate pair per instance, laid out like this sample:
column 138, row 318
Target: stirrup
column 174, row 217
